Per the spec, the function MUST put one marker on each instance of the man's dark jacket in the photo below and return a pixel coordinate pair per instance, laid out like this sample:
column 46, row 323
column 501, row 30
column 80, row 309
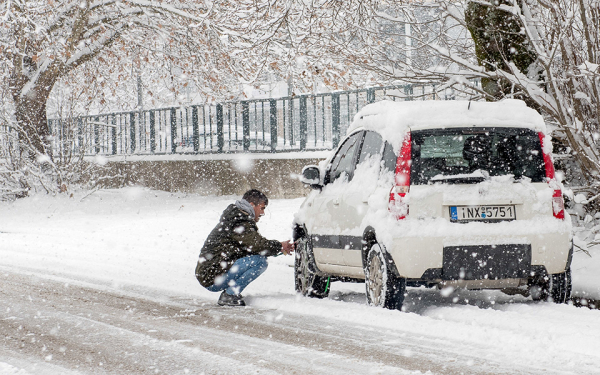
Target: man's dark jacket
column 236, row 236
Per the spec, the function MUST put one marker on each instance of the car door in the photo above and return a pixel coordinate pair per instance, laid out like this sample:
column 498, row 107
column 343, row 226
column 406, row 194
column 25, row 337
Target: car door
column 354, row 204
column 326, row 222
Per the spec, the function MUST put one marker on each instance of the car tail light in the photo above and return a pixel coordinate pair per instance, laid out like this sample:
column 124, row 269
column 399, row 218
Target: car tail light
column 558, row 204
column 398, row 204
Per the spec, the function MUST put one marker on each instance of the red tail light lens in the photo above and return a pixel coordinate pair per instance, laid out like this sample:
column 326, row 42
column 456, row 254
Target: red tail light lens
column 558, row 204
column 398, row 204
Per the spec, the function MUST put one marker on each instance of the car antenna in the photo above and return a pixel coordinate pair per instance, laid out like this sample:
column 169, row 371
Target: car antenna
column 469, row 107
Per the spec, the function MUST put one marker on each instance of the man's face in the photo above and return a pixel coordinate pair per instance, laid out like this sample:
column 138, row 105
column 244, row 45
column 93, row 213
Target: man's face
column 259, row 210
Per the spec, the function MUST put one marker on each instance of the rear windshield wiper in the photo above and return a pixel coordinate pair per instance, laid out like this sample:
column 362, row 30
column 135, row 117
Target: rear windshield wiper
column 471, row 178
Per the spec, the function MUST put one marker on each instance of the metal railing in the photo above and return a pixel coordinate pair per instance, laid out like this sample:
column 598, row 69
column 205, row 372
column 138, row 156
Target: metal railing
column 303, row 122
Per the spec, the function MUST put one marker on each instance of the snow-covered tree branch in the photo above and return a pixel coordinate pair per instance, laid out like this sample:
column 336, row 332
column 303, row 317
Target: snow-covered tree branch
column 50, row 42
column 544, row 52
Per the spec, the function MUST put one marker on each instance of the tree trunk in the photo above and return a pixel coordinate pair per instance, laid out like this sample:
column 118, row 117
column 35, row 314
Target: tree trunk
column 498, row 40
column 32, row 123
column 30, row 110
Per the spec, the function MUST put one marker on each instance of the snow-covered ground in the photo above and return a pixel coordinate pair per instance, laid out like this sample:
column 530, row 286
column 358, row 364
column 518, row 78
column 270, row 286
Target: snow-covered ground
column 137, row 239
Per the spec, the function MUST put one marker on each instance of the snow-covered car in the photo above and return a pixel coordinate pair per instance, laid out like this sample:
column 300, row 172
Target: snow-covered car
column 454, row 194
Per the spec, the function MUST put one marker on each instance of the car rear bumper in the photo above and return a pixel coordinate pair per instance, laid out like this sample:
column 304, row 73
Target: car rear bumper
column 479, row 251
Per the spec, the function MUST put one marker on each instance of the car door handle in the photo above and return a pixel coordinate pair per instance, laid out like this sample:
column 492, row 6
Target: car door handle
column 336, row 202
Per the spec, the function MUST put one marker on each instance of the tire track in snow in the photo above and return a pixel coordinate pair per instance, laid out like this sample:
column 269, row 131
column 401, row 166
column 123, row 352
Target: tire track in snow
column 100, row 332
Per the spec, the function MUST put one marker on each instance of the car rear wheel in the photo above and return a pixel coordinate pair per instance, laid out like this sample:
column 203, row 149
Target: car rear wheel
column 557, row 287
column 307, row 282
column 560, row 287
column 383, row 288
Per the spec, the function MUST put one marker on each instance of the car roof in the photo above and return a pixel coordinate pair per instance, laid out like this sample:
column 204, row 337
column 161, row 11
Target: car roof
column 392, row 119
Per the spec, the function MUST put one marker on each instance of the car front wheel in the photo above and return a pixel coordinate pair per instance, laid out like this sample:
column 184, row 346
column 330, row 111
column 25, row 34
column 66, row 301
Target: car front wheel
column 383, row 288
column 307, row 282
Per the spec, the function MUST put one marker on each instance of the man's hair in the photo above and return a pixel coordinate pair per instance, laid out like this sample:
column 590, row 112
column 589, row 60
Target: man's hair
column 256, row 197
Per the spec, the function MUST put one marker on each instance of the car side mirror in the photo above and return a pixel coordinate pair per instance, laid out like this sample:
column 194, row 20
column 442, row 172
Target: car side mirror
column 311, row 175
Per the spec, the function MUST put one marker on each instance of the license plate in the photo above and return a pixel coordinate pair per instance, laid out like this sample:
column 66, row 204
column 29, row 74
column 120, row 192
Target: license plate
column 482, row 213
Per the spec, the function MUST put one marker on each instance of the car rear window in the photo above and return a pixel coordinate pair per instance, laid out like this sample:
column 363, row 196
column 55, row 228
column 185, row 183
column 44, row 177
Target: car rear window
column 469, row 155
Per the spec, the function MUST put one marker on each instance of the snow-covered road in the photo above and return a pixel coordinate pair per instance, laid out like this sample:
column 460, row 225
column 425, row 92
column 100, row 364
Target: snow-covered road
column 65, row 328
column 105, row 284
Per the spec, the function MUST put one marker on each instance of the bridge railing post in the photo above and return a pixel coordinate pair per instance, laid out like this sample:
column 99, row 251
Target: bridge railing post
column 370, row 95
column 303, row 128
column 335, row 119
column 80, row 145
column 173, row 121
column 195, row 129
column 113, row 134
column 132, row 137
column 152, row 131
column 273, row 123
column 408, row 91
column 220, row 136
column 96, row 136
column 246, row 125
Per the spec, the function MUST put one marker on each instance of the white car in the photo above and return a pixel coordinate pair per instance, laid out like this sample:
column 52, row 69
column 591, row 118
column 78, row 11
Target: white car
column 436, row 193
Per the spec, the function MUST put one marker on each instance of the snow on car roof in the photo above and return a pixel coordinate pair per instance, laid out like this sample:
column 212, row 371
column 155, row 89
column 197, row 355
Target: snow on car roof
column 392, row 119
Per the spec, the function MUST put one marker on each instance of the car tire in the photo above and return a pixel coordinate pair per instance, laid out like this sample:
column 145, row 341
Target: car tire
column 383, row 288
column 560, row 287
column 538, row 291
column 307, row 282
column 556, row 287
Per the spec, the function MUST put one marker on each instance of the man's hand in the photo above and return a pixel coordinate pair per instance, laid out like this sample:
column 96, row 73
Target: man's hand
column 287, row 247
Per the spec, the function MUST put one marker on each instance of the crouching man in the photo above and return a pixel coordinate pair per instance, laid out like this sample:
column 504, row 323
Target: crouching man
column 234, row 253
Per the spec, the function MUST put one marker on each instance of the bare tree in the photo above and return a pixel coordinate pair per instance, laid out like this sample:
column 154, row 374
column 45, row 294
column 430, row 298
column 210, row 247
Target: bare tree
column 44, row 42
column 90, row 50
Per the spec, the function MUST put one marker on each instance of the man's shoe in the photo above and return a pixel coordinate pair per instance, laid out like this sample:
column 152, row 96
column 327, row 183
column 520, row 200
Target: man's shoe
column 229, row 300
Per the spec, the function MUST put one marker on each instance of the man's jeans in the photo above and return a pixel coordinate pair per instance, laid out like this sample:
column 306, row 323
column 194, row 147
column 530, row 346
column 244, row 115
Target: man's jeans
column 243, row 272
